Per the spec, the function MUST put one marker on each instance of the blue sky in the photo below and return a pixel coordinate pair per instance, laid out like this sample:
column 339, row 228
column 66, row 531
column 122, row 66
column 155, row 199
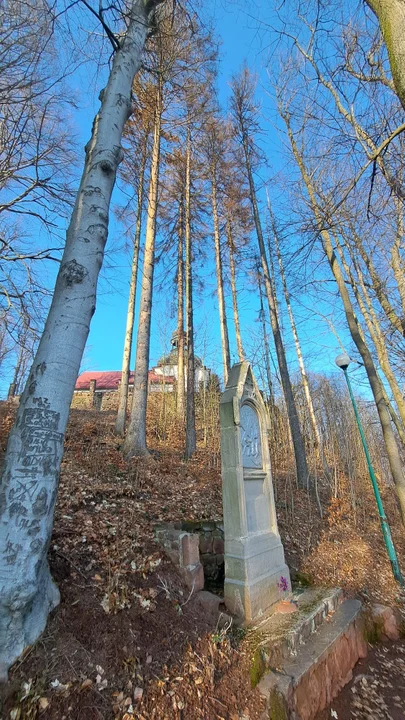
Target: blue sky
column 241, row 40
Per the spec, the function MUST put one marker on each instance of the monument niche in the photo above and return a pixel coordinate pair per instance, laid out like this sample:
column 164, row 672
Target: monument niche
column 254, row 554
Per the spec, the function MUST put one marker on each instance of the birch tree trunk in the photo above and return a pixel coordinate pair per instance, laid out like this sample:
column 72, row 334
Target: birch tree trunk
column 375, row 383
column 180, row 318
column 220, row 281
column 129, row 330
column 191, row 436
column 231, row 245
column 32, row 464
column 135, row 441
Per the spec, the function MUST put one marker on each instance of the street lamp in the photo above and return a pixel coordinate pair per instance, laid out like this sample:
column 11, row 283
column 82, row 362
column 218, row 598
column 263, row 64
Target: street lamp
column 343, row 361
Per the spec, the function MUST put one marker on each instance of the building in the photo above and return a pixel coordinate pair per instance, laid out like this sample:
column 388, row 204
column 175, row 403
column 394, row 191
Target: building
column 99, row 389
column 168, row 365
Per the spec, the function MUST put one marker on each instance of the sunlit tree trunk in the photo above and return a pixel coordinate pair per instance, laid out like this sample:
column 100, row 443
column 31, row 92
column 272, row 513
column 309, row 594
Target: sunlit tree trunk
column 391, row 16
column 397, row 262
column 265, row 340
column 220, row 282
column 191, row 436
column 129, row 329
column 298, row 443
column 32, row 463
column 373, row 326
column 375, row 383
column 377, row 282
column 180, row 317
column 304, row 377
column 231, row 245
column 135, row 441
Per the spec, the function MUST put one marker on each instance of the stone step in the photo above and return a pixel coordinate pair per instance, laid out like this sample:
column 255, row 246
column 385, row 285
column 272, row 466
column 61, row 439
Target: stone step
column 277, row 636
column 308, row 682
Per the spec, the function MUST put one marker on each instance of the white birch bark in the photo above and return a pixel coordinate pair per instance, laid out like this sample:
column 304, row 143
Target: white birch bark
column 135, row 441
column 129, row 328
column 32, row 464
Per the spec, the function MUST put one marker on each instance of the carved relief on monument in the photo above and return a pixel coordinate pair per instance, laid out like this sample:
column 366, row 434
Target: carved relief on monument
column 250, row 438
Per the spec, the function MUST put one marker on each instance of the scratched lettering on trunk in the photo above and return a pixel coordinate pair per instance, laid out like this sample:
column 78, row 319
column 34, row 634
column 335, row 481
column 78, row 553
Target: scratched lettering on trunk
column 40, row 444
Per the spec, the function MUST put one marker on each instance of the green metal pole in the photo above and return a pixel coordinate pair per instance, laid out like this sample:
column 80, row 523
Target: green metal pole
column 383, row 518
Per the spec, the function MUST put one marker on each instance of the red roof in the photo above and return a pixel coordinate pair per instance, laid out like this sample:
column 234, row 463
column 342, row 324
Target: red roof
column 109, row 379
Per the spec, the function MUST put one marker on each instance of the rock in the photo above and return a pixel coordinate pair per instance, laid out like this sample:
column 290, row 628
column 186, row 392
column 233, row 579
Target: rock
column 206, row 543
column 209, row 602
column 193, row 577
column 385, row 617
column 190, row 550
column 218, row 546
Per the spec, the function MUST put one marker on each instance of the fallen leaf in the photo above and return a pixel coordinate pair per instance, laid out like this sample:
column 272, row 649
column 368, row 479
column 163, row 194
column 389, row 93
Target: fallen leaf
column 86, row 684
column 138, row 694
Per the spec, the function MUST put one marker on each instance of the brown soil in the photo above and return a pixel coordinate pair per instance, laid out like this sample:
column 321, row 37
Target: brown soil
column 127, row 641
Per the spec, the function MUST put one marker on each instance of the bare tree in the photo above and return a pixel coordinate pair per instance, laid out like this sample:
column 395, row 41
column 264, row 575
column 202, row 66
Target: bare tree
column 391, row 16
column 34, row 452
column 139, row 147
column 245, row 119
column 214, row 144
column 354, row 327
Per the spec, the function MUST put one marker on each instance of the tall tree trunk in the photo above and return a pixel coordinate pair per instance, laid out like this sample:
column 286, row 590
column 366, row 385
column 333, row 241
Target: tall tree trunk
column 220, row 282
column 191, row 435
column 180, row 318
column 265, row 340
column 375, row 383
column 378, row 285
column 231, row 245
column 298, row 443
column 32, row 464
column 129, row 330
column 366, row 307
column 297, row 343
column 397, row 263
column 135, row 441
column 17, row 370
column 391, row 16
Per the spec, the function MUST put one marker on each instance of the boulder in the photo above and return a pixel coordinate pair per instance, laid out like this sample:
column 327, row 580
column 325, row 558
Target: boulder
column 386, row 620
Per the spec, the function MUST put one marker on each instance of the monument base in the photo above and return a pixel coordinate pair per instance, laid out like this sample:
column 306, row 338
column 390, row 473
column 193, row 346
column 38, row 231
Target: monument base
column 254, row 571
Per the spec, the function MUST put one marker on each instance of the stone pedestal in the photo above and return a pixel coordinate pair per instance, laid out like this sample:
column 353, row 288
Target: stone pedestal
column 254, row 555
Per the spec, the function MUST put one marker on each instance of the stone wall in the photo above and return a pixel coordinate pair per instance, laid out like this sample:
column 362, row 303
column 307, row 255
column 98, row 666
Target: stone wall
column 196, row 547
column 82, row 400
column 107, row 400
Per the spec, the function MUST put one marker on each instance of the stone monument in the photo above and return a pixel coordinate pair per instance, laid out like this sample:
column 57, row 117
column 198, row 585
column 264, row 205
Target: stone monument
column 255, row 569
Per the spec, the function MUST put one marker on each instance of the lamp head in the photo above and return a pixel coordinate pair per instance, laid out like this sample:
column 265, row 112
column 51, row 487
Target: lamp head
column 343, row 361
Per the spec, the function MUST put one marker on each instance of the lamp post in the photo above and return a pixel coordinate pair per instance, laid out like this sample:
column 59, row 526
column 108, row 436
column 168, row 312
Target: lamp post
column 343, row 361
